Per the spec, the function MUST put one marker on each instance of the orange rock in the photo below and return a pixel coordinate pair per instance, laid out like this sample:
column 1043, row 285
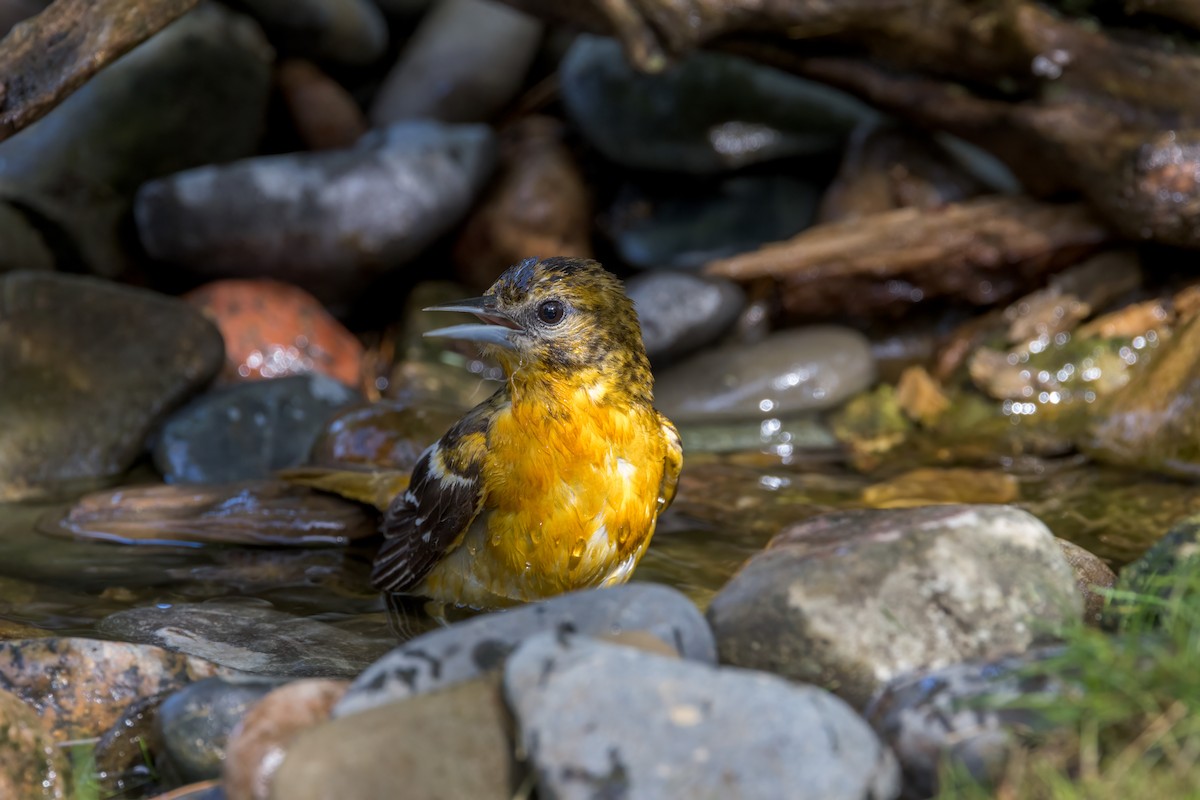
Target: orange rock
column 273, row 329
column 537, row 206
column 324, row 114
column 258, row 746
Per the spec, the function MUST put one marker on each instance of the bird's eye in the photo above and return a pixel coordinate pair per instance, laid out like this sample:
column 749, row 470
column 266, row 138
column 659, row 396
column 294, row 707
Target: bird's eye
column 551, row 312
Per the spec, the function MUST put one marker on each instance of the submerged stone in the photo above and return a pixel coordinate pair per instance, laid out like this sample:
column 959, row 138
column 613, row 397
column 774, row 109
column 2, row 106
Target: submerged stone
column 250, row 637
column 386, row 434
column 600, row 720
column 88, row 369
column 249, row 430
column 804, row 369
column 709, row 112
column 77, row 168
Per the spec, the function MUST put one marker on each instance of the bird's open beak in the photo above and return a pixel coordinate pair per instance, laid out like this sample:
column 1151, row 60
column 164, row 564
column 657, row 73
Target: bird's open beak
column 494, row 327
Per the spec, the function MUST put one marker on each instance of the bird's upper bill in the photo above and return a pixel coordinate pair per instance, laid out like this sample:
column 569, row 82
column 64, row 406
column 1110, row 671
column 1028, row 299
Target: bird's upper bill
column 494, row 326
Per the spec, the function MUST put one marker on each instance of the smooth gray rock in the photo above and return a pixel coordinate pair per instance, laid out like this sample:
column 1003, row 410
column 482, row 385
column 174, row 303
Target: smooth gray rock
column 797, row 370
column 785, row 437
column 601, row 720
column 465, row 61
column 704, row 223
column 196, row 721
column 347, row 31
column 853, row 599
column 959, row 715
column 251, row 637
column 708, row 113
column 326, row 221
column 195, row 93
column 468, row 649
column 87, row 369
column 249, row 430
column 680, row 313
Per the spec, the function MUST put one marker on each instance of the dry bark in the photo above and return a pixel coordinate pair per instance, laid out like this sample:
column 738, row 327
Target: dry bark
column 44, row 59
column 983, row 251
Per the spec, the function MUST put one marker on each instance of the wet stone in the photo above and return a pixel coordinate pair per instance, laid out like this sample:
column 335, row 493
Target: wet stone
column 1093, row 578
column 957, row 715
column 680, row 313
column 783, row 437
column 598, row 719
column 251, row 637
column 21, row 243
column 120, row 757
column 448, row 71
column 804, row 369
column 330, row 221
column 1176, row 553
column 274, row 329
column 89, row 368
column 31, row 763
column 468, row 649
column 324, row 114
column 386, row 434
column 249, row 430
column 81, row 687
column 454, row 743
column 250, row 512
column 196, row 722
column 258, row 747
column 709, row 221
column 538, row 203
column 708, row 113
column 347, row 31
column 78, row 168
column 853, row 599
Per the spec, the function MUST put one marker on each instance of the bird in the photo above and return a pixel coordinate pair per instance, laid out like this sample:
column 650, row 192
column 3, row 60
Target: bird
column 555, row 482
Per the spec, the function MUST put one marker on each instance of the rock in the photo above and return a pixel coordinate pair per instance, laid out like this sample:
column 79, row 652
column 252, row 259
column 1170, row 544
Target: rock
column 250, row 637
column 599, row 720
column 196, row 722
column 328, row 222
column 680, row 313
column 887, row 167
column 347, row 31
column 936, row 486
column 465, row 61
column 691, row 226
column 251, row 512
column 1154, row 421
column 324, row 114
column 804, row 369
column 204, row 790
column 468, row 649
column 455, row 743
column 123, row 758
column 1092, row 578
column 1158, row 571
column 781, row 437
column 386, row 434
column 537, row 204
column 274, row 329
column 31, row 763
column 957, row 715
column 249, row 430
column 14, row 11
column 21, row 243
column 852, row 599
column 258, row 746
column 709, row 112
column 77, row 169
column 81, row 687
column 89, row 369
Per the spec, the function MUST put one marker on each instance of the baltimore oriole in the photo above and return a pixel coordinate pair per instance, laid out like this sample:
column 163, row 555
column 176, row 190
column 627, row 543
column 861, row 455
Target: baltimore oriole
column 554, row 483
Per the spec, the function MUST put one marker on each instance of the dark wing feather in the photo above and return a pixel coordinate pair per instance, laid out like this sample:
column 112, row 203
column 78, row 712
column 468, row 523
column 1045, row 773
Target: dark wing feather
column 427, row 521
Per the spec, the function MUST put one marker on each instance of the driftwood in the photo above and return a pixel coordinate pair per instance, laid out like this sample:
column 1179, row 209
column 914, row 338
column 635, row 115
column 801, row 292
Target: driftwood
column 983, row 251
column 1067, row 104
column 44, row 59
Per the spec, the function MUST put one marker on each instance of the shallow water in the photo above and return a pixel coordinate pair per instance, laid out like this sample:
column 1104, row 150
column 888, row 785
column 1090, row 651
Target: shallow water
column 727, row 509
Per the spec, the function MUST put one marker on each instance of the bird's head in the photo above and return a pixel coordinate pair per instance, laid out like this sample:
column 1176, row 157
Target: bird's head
column 563, row 316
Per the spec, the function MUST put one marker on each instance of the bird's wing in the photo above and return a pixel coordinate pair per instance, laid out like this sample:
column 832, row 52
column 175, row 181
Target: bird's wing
column 427, row 521
column 672, row 463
